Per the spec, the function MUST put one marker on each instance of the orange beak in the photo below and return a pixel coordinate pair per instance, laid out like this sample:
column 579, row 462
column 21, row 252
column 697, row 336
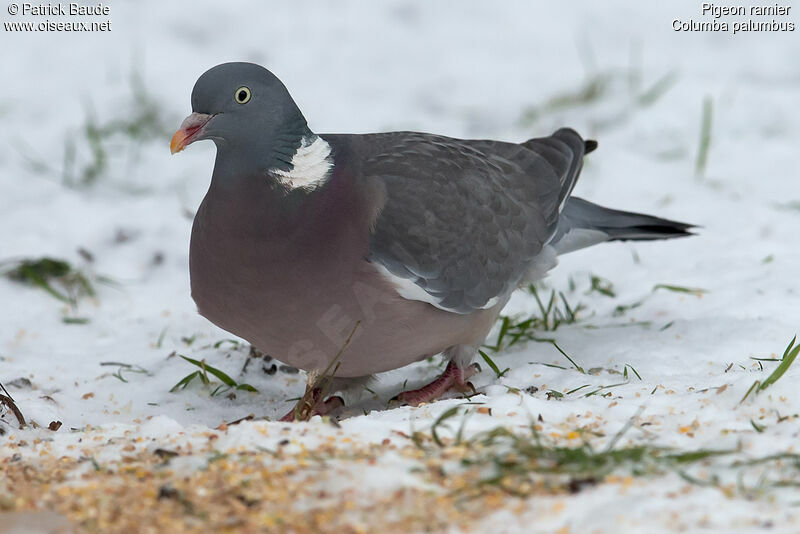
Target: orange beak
column 190, row 131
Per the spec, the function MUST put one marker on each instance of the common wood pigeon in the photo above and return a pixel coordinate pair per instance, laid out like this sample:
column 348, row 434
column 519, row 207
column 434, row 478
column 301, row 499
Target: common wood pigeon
column 356, row 254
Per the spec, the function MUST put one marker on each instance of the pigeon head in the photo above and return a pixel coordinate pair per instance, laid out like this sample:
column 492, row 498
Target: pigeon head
column 246, row 110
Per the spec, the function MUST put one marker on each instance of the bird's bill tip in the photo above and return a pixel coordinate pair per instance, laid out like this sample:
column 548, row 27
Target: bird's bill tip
column 178, row 142
column 190, row 130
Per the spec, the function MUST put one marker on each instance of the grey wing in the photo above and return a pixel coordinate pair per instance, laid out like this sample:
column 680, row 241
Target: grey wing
column 463, row 220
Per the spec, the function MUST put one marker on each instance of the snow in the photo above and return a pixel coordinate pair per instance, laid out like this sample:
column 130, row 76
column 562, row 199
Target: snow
column 469, row 70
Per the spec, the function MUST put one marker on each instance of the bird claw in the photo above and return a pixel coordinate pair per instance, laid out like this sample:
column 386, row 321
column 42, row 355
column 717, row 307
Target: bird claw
column 452, row 378
column 305, row 409
column 466, row 387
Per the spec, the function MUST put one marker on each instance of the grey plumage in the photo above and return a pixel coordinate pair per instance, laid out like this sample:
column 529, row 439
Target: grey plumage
column 617, row 225
column 505, row 197
column 419, row 239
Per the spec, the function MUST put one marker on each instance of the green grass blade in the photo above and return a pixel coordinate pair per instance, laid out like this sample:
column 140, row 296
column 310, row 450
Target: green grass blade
column 439, row 421
column 705, row 137
column 754, row 387
column 570, row 392
column 503, row 331
column 492, row 365
column 629, row 366
column 575, row 365
column 680, row 289
column 658, row 89
column 225, row 379
column 219, row 389
column 184, row 381
column 789, row 356
column 602, row 286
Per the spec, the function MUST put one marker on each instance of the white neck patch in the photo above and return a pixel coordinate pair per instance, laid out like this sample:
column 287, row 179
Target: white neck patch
column 311, row 164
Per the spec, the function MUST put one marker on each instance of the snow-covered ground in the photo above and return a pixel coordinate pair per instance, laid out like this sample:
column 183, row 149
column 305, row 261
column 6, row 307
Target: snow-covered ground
column 615, row 71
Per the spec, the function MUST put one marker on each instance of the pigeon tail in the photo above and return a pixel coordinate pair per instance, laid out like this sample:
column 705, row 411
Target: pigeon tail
column 583, row 224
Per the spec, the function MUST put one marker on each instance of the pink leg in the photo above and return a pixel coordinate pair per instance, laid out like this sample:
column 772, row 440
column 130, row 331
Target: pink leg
column 314, row 405
column 452, row 378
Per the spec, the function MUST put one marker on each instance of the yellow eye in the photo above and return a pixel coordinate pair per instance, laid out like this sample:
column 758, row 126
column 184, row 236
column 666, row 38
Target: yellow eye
column 242, row 95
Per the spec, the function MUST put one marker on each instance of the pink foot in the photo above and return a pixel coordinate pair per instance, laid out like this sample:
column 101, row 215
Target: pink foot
column 451, row 378
column 313, row 405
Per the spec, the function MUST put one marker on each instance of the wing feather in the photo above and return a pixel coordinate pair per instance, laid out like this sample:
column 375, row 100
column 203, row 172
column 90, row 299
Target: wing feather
column 462, row 219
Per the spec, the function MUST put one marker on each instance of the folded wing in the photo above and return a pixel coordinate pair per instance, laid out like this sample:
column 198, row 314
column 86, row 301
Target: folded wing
column 464, row 219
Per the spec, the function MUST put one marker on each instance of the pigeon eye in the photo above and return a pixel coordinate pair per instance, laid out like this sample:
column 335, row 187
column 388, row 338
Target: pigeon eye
column 242, row 95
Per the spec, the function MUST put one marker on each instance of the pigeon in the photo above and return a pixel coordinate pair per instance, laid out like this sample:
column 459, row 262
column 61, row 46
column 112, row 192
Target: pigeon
column 348, row 255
